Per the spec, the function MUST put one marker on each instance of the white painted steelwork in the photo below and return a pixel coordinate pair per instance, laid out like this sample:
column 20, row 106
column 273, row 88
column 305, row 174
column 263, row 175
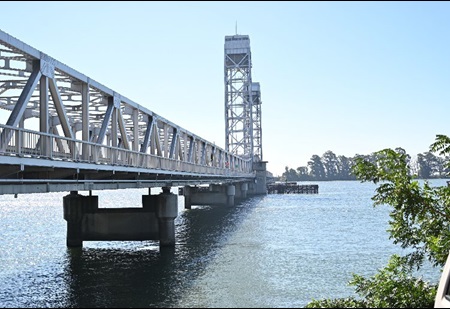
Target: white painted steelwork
column 58, row 115
column 256, row 121
column 238, row 96
column 243, row 131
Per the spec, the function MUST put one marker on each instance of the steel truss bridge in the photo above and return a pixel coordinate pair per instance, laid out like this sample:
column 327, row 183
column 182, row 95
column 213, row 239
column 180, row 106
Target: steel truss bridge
column 63, row 131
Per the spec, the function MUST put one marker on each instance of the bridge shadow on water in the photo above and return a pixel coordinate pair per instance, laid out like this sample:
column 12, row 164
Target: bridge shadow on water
column 149, row 276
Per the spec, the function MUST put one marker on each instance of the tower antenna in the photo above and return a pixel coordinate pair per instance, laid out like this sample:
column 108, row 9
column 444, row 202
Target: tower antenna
column 236, row 27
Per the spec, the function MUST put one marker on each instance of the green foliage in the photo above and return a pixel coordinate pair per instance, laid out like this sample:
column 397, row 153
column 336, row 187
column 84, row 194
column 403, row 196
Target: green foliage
column 420, row 216
column 419, row 221
column 332, row 167
column 441, row 144
column 392, row 287
column 349, row 302
column 395, row 287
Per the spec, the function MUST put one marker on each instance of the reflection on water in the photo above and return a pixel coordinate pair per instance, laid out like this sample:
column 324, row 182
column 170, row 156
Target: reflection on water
column 269, row 251
column 150, row 276
column 126, row 274
column 120, row 278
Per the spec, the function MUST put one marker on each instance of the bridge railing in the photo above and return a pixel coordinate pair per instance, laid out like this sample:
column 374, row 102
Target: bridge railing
column 33, row 144
column 82, row 120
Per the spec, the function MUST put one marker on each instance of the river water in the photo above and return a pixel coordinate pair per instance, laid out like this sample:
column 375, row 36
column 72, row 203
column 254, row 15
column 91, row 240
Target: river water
column 268, row 251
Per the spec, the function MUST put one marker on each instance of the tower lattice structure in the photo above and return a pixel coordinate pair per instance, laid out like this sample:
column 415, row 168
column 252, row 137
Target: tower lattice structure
column 242, row 100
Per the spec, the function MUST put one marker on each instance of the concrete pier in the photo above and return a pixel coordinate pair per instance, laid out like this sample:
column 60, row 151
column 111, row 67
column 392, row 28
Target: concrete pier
column 186, row 192
column 75, row 208
column 241, row 191
column 166, row 212
column 231, row 192
column 260, row 184
column 211, row 195
column 87, row 222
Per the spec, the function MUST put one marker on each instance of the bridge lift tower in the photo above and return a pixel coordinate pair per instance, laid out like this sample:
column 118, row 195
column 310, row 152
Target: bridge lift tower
column 242, row 100
column 256, row 120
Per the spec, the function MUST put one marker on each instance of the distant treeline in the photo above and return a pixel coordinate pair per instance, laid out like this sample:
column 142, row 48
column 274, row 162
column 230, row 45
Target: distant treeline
column 329, row 166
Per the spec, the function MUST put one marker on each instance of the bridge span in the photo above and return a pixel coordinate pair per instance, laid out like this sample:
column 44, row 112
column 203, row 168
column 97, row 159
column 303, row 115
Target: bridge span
column 63, row 131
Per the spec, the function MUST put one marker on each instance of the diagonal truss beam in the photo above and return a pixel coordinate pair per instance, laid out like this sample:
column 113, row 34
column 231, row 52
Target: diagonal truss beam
column 17, row 113
column 60, row 108
column 106, row 119
column 25, row 96
column 148, row 134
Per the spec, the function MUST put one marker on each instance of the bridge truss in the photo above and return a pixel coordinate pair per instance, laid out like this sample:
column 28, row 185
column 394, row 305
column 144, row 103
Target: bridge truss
column 65, row 131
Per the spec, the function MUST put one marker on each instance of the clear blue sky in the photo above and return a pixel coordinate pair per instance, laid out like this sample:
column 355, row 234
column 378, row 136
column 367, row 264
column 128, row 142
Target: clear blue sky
column 350, row 77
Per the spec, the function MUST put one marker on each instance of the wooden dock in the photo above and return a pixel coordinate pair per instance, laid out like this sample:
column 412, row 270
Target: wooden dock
column 291, row 188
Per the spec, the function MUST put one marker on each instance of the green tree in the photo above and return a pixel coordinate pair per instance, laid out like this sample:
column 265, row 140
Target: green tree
column 420, row 216
column 392, row 287
column 316, row 167
column 303, row 173
column 425, row 164
column 345, row 168
column 419, row 221
column 289, row 174
column 440, row 167
column 331, row 164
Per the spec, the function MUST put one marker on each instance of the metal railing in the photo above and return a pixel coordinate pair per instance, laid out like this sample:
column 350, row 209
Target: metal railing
column 33, row 144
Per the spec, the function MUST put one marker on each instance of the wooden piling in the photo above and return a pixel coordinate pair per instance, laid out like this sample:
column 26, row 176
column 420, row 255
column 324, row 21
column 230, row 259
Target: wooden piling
column 291, row 188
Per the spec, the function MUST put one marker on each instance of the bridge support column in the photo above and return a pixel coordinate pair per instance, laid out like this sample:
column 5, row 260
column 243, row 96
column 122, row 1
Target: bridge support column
column 75, row 206
column 166, row 212
column 187, row 197
column 241, row 191
column 260, row 185
column 231, row 192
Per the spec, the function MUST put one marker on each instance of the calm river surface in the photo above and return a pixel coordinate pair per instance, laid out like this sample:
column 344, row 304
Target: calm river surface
column 269, row 251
